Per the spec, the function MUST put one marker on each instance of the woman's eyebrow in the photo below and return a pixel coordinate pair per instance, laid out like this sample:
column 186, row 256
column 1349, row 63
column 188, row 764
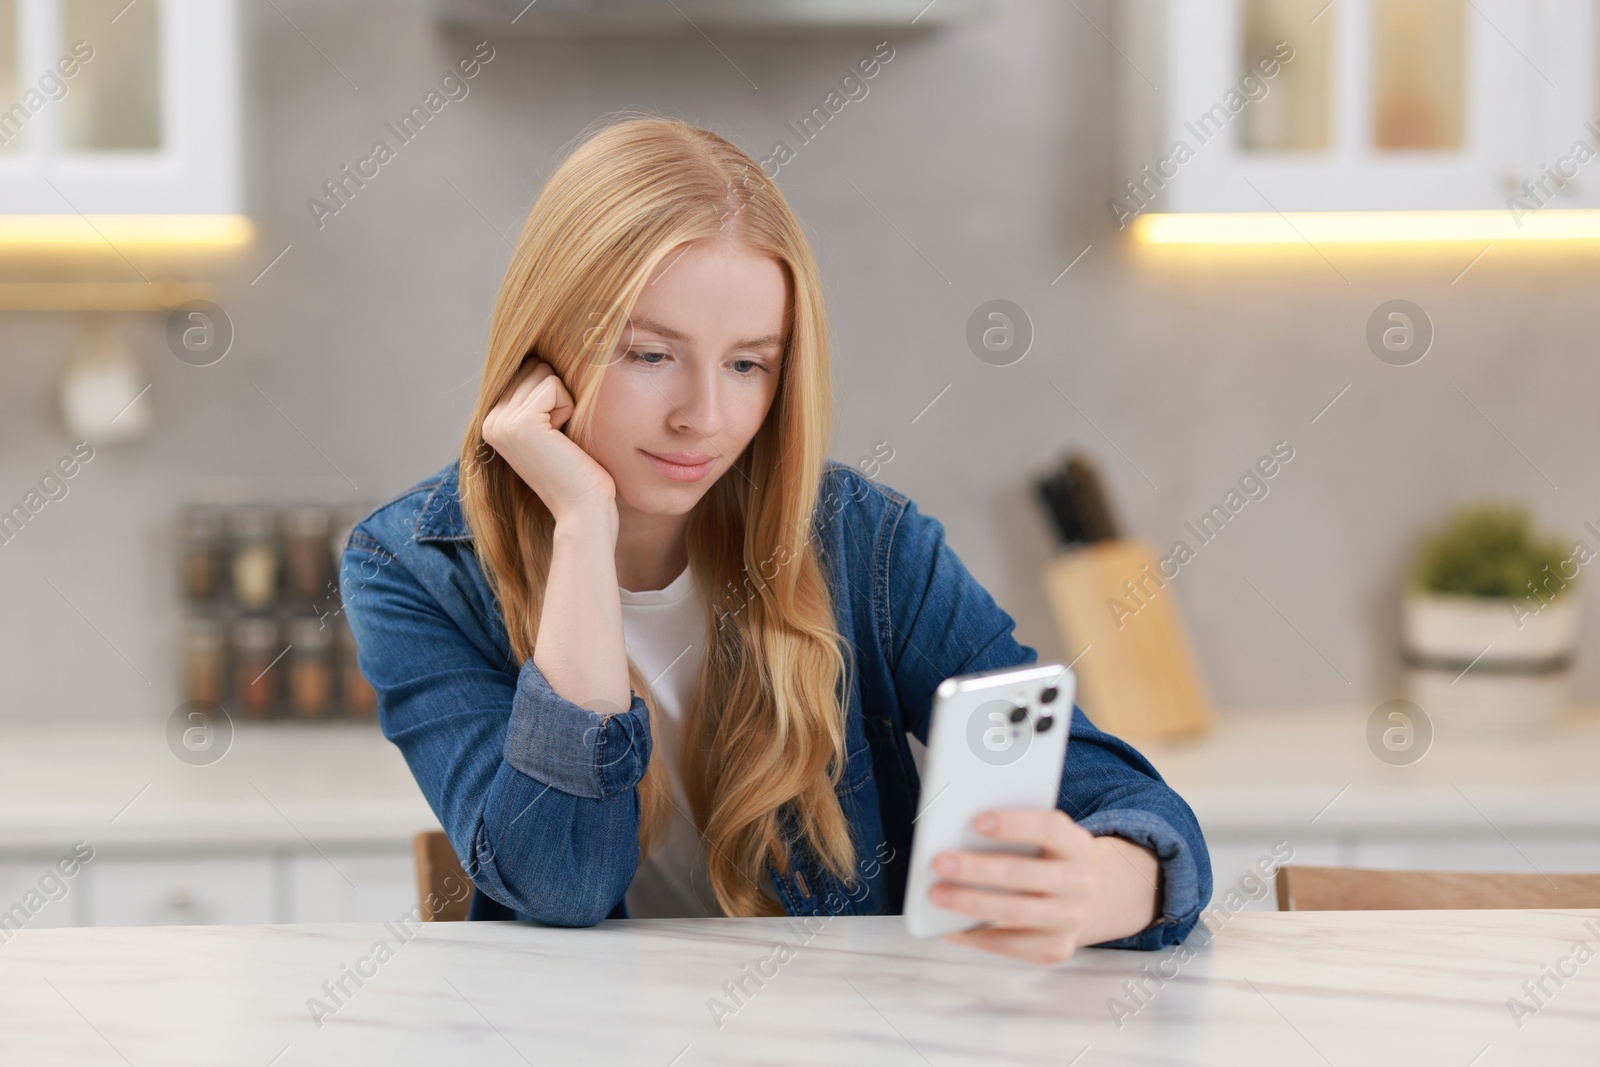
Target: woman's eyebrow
column 770, row 340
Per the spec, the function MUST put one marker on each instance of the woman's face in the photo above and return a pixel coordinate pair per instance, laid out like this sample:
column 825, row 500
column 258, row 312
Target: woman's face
column 693, row 376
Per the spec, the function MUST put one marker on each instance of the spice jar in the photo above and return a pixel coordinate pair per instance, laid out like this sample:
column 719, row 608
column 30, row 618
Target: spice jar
column 204, row 658
column 360, row 701
column 255, row 557
column 306, row 557
column 200, row 553
column 255, row 673
column 310, row 667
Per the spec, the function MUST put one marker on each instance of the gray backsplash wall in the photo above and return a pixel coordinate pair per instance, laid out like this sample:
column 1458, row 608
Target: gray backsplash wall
column 977, row 167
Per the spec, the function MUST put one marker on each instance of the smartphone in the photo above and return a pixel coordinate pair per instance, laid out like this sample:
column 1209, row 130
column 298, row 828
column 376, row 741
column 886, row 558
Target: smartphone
column 998, row 740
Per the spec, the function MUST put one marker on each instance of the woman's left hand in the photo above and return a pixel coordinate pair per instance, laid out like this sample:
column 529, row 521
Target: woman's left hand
column 1080, row 890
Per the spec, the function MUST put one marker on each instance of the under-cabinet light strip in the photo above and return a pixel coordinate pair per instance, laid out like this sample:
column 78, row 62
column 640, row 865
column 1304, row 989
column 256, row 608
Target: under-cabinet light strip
column 71, row 231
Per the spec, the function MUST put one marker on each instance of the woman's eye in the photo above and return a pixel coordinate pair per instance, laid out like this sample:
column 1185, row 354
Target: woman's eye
column 754, row 365
column 638, row 357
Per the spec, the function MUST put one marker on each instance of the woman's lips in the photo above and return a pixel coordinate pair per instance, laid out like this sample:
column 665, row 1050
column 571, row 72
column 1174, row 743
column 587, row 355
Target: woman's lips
column 681, row 471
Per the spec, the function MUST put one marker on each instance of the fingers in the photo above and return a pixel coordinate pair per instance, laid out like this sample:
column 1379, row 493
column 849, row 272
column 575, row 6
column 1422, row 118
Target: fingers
column 1007, row 909
column 536, row 388
column 1006, row 870
column 510, row 400
column 1048, row 829
column 548, row 395
column 1034, row 946
column 530, row 381
column 559, row 403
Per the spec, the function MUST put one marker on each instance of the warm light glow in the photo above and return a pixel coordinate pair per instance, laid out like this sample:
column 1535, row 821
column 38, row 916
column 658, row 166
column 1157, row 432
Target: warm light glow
column 1365, row 227
column 46, row 232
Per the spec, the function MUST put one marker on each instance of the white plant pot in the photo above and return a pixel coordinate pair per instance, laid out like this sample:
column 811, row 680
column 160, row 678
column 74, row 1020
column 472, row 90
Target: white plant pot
column 1520, row 653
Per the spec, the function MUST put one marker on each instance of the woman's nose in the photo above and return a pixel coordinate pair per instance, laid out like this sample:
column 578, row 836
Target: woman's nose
column 698, row 403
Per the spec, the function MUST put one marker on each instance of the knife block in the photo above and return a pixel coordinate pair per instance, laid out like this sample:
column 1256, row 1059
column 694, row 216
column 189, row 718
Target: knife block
column 1137, row 677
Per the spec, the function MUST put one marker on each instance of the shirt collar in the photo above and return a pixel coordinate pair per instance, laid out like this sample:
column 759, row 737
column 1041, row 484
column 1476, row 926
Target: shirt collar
column 441, row 518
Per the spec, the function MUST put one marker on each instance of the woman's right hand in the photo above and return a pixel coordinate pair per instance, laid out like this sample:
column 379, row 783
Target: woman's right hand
column 524, row 427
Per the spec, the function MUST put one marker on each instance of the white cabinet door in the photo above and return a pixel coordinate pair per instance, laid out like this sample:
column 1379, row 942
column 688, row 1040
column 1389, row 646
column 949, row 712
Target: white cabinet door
column 119, row 108
column 345, row 887
column 1379, row 107
column 180, row 891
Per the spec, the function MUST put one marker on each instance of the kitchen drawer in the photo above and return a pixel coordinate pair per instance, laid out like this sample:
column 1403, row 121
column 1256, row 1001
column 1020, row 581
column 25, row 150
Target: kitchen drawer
column 180, row 891
column 352, row 887
column 19, row 910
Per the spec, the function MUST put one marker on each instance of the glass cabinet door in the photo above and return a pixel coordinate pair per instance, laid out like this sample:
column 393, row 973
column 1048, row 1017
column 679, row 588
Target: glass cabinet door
column 1296, row 114
column 11, row 136
column 1419, row 56
column 115, row 102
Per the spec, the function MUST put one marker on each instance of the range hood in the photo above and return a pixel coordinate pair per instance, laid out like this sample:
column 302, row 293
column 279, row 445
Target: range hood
column 574, row 18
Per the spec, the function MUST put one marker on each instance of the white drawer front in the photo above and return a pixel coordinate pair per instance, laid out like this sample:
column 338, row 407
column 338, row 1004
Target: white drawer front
column 180, row 891
column 36, row 895
column 348, row 888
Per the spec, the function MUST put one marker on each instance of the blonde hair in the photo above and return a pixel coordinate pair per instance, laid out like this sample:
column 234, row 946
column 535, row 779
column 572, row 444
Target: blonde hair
column 765, row 730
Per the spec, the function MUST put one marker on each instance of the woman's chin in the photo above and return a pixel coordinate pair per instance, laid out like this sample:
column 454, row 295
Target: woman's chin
column 662, row 499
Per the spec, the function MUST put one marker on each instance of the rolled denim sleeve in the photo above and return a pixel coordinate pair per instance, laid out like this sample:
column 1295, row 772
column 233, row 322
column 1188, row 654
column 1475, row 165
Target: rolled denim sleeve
column 536, row 793
column 583, row 752
column 939, row 621
column 1108, row 787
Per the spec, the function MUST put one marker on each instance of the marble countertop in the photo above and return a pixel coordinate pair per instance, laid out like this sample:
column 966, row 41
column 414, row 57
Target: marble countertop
column 1276, row 988
column 1267, row 767
column 117, row 783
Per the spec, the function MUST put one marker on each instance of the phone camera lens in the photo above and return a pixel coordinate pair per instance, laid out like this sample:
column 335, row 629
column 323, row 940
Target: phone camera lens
column 1049, row 695
column 1018, row 713
column 1044, row 723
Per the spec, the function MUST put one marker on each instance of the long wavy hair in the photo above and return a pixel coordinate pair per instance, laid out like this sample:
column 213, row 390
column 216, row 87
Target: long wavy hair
column 764, row 738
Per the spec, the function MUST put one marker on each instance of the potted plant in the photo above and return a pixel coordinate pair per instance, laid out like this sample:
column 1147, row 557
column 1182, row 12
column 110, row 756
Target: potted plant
column 1491, row 622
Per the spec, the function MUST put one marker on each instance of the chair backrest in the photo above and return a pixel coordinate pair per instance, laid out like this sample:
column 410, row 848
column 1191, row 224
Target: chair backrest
column 1358, row 889
column 439, row 877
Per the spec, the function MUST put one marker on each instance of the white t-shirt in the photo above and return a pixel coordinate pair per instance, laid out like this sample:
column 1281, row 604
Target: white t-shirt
column 664, row 632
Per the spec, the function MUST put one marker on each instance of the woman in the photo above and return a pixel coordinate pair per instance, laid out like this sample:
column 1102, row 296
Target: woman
column 648, row 652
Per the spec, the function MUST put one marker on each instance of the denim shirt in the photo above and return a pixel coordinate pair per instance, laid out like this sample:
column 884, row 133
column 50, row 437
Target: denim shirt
column 538, row 794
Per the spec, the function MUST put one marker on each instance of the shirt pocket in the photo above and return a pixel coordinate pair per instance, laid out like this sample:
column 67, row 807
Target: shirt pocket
column 857, row 769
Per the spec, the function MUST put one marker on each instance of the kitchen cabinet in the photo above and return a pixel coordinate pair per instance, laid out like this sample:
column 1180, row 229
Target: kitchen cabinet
column 313, row 822
column 1356, row 105
column 1527, row 802
column 184, row 886
column 109, row 107
column 297, row 822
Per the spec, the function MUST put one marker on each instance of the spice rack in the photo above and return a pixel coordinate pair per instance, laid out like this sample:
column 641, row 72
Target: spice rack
column 264, row 631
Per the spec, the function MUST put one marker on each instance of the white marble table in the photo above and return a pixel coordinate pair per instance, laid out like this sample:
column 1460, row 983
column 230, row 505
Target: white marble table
column 1282, row 989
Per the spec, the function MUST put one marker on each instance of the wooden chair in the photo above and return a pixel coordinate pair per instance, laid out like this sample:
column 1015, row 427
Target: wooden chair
column 1358, row 889
column 440, row 878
